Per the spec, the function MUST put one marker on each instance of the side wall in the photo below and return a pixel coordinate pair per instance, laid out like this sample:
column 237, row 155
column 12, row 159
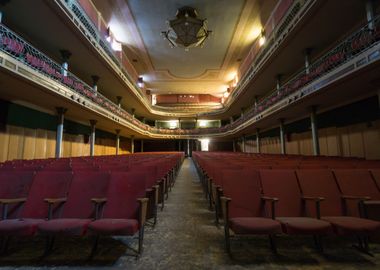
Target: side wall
column 29, row 134
column 350, row 131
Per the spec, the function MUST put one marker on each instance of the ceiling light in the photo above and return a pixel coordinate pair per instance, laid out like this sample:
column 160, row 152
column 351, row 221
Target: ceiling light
column 173, row 124
column 186, row 30
column 262, row 38
column 226, row 94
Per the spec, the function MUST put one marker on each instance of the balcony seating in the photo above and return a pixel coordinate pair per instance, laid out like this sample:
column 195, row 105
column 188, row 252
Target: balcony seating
column 243, row 208
column 281, row 190
column 125, row 209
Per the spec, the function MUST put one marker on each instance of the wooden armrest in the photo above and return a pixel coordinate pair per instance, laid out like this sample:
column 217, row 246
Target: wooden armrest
column 225, row 201
column 15, row 200
column 143, row 207
column 265, row 198
column 99, row 200
column 55, row 200
column 308, row 198
column 360, row 198
column 371, row 202
column 273, row 201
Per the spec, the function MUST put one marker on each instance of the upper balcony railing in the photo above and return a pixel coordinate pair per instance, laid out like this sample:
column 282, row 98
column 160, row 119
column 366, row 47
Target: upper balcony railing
column 358, row 42
column 285, row 16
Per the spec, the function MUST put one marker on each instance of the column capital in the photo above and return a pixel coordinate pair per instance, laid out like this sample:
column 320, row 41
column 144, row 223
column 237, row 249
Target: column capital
column 65, row 54
column 118, row 99
column 281, row 120
column 61, row 110
column 117, row 131
column 95, row 79
column 132, row 137
column 93, row 122
column 307, row 51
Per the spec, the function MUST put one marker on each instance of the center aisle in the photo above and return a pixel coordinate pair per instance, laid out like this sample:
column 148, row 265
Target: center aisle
column 185, row 236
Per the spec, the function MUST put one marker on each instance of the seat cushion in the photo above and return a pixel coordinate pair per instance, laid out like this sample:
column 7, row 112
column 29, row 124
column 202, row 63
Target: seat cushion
column 304, row 225
column 67, row 226
column 114, row 226
column 350, row 225
column 19, row 227
column 254, row 225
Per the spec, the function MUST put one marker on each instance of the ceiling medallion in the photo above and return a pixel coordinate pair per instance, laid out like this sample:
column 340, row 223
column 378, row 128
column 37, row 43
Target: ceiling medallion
column 186, row 30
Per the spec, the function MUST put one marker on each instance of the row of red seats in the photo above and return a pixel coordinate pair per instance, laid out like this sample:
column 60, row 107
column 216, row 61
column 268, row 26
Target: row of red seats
column 318, row 202
column 84, row 202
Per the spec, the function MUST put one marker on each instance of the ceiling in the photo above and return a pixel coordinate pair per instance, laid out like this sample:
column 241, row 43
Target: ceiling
column 235, row 25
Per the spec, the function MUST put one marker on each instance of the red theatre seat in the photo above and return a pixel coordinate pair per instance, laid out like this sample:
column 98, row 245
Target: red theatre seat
column 78, row 210
column 321, row 184
column 282, row 186
column 36, row 210
column 125, row 209
column 242, row 206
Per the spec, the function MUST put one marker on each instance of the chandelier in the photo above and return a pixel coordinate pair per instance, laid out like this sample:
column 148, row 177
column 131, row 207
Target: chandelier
column 186, row 30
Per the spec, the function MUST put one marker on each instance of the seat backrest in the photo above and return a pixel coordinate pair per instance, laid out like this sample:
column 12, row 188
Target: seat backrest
column 124, row 189
column 243, row 187
column 151, row 174
column 84, row 187
column 13, row 185
column 283, row 185
column 376, row 175
column 357, row 182
column 45, row 185
column 321, row 183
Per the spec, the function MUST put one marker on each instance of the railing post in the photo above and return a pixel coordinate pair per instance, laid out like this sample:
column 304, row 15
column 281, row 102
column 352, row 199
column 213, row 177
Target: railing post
column 282, row 137
column 133, row 112
column 256, row 101
column 231, row 120
column 95, row 80
column 314, row 131
column 118, row 100
column 278, row 83
column 370, row 14
column 117, row 140
column 307, row 60
column 92, row 137
column 132, row 144
column 65, row 54
column 258, row 141
column 61, row 117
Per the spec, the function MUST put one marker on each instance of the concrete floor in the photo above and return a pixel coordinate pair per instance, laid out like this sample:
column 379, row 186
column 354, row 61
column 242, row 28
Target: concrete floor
column 186, row 238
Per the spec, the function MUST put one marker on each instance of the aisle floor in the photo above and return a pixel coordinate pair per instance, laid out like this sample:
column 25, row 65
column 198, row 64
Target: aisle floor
column 186, row 238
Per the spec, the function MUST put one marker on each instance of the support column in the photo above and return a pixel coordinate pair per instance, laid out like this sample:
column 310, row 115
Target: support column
column 61, row 117
column 258, row 141
column 370, row 14
column 231, row 120
column 132, row 144
column 278, row 82
column 243, row 144
column 65, row 54
column 242, row 112
column 142, row 145
column 378, row 96
column 307, row 60
column 256, row 101
column 234, row 145
column 188, row 147
column 92, row 137
column 118, row 101
column 117, row 140
column 133, row 112
column 95, row 80
column 282, row 137
column 314, row 131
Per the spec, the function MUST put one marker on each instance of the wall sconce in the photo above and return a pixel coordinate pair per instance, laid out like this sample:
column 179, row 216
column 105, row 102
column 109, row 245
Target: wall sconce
column 262, row 38
column 140, row 82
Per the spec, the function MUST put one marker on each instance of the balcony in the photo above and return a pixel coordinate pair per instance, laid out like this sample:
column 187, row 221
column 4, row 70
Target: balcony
column 360, row 51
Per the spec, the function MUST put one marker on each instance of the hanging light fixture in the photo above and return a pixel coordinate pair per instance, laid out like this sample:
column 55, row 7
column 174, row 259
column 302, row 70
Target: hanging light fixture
column 186, row 30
